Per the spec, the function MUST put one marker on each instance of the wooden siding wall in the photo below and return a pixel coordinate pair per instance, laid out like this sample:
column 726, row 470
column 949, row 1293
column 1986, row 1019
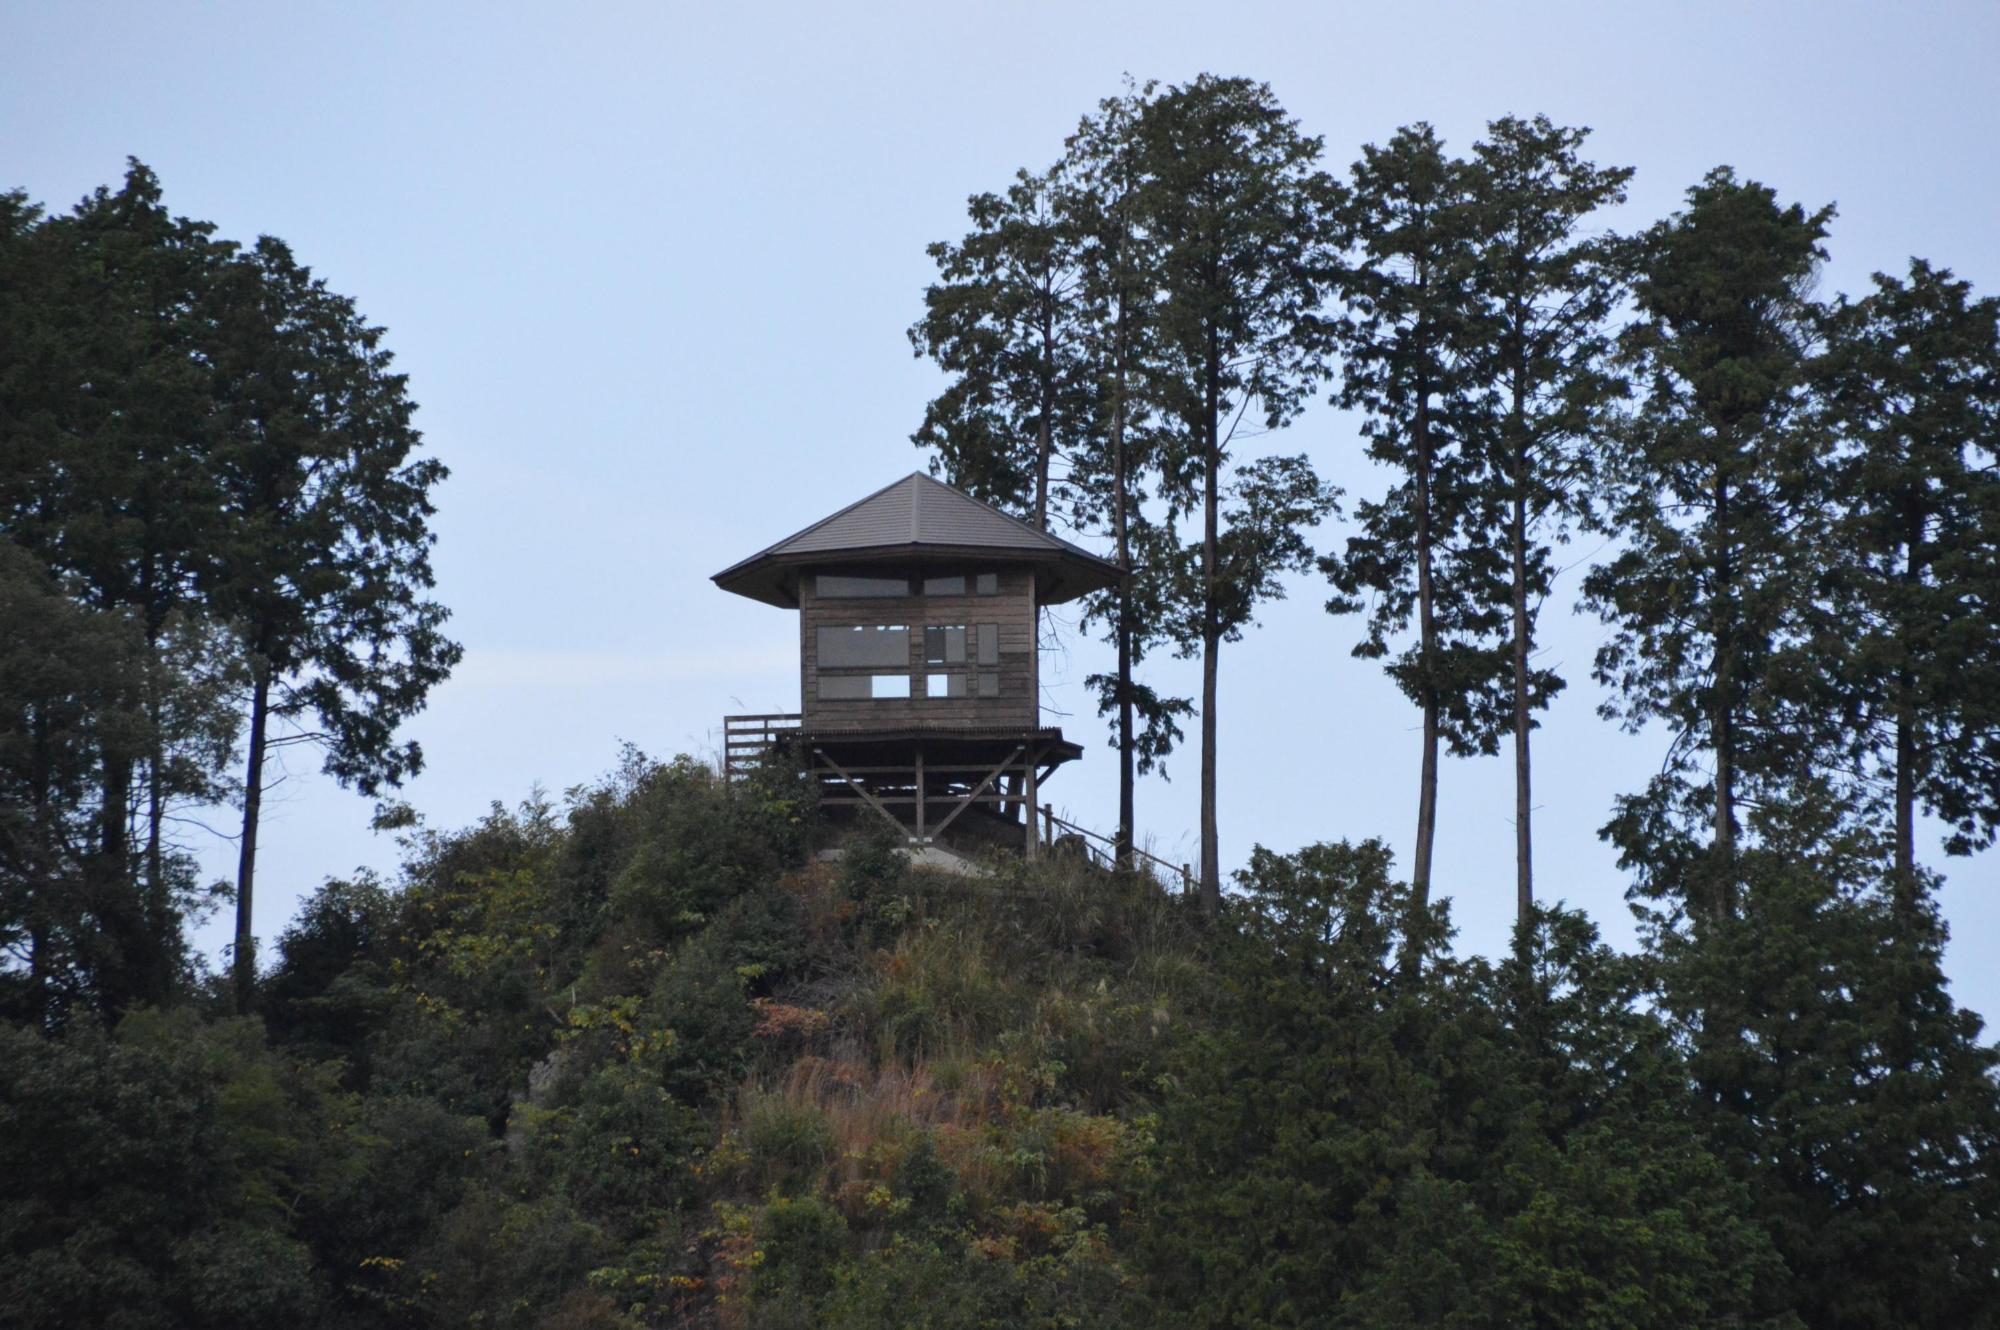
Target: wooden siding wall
column 1013, row 609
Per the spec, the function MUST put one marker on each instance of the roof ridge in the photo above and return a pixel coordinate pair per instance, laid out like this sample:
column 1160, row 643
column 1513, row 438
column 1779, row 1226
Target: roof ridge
column 937, row 516
column 837, row 514
column 1040, row 532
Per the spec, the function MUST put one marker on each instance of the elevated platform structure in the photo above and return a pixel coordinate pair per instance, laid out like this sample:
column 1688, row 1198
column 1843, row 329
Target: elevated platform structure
column 919, row 670
column 921, row 781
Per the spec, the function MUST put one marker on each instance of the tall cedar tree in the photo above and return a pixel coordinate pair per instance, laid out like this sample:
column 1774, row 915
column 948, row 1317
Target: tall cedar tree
column 104, row 410
column 1545, row 291
column 1912, row 380
column 1235, row 205
column 329, row 543
column 1837, row 1078
column 1714, row 500
column 1405, row 223
column 1001, row 320
column 1108, row 475
column 1558, row 1179
column 71, row 700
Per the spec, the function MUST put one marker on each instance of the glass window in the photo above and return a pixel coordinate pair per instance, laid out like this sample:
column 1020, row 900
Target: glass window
column 862, row 645
column 838, row 586
column 944, row 644
column 944, row 685
column 989, row 644
column 989, row 683
column 944, row 586
column 862, row 687
column 986, row 584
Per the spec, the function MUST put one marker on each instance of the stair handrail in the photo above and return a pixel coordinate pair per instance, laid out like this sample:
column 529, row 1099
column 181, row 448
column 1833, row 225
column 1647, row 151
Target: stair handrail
column 1184, row 872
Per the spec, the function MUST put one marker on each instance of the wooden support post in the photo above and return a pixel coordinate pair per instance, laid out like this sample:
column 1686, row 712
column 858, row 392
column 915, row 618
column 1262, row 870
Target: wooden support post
column 1029, row 791
column 920, row 793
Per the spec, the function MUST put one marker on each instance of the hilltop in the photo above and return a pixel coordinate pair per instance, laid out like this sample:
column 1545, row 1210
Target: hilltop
column 644, row 1059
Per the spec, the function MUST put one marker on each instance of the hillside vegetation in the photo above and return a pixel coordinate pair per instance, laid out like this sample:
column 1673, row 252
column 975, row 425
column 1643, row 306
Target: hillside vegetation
column 641, row 1059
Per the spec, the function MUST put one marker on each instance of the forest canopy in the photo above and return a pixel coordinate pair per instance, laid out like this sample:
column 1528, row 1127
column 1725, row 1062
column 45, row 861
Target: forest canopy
column 648, row 1055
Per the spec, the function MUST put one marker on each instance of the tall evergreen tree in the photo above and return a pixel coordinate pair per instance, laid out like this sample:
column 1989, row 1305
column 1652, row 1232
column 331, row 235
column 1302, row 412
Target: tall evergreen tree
column 1002, row 321
column 75, row 931
column 1912, row 380
column 1716, row 498
column 1406, row 226
column 328, row 510
column 1108, row 481
column 1235, row 205
column 106, row 419
column 1836, row 1076
column 1454, row 1147
column 1544, row 290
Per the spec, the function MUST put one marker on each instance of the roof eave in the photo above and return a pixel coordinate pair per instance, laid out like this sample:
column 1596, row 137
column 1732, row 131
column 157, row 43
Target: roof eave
column 762, row 576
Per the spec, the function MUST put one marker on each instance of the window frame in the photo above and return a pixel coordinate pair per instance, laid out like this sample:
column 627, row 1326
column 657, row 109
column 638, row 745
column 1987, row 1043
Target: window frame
column 820, row 591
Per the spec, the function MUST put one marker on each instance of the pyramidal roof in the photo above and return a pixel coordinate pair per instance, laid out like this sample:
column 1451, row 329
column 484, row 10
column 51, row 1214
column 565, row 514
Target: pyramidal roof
column 913, row 518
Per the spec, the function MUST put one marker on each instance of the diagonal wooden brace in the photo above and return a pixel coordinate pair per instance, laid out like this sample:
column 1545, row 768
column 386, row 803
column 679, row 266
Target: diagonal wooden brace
column 976, row 791
column 863, row 791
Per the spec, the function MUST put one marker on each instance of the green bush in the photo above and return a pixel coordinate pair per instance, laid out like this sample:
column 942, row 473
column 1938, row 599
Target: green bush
column 801, row 1241
column 790, row 1144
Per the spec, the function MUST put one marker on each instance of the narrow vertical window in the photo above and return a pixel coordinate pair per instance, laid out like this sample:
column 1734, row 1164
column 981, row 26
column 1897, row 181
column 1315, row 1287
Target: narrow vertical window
column 944, row 644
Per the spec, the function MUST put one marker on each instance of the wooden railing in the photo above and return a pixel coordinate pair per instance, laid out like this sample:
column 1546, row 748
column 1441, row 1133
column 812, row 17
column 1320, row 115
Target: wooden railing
column 1103, row 849
column 745, row 739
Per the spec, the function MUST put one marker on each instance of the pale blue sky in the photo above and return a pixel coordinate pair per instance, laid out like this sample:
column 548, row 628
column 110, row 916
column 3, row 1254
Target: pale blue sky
column 649, row 268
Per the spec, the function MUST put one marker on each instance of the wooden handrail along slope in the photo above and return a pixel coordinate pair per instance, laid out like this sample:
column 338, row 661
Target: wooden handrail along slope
column 746, row 739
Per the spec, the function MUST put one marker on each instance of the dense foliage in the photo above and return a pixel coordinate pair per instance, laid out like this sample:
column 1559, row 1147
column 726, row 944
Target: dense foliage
column 642, row 1059
column 1187, row 266
column 646, row 1058
column 213, row 524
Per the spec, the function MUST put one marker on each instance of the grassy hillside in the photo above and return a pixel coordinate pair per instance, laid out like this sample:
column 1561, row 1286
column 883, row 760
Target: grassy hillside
column 641, row 1059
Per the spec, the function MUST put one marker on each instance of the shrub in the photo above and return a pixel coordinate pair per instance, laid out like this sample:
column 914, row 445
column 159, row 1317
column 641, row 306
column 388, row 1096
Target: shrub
column 789, row 1141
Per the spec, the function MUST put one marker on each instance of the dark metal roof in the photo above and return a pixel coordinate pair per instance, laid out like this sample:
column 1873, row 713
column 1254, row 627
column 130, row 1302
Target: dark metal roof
column 915, row 518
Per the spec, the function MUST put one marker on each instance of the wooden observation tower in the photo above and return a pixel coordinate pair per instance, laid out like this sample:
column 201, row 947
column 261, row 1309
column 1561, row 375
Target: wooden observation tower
column 918, row 659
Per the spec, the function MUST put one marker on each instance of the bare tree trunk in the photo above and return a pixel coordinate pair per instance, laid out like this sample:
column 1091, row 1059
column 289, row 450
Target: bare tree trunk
column 1044, row 430
column 156, row 804
column 1906, row 813
column 155, row 754
column 39, row 1001
column 1127, row 758
column 1722, row 716
column 114, row 817
column 1517, row 534
column 155, row 815
column 1042, row 447
column 1211, row 636
column 245, row 960
column 1906, row 895
column 38, row 936
column 1427, row 780
column 122, row 913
